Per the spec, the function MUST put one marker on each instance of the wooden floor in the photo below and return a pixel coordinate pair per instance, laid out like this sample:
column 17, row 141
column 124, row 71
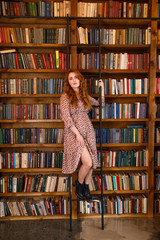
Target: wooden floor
column 84, row 229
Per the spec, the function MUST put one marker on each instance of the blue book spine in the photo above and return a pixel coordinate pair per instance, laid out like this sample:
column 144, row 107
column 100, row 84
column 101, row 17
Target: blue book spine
column 51, row 86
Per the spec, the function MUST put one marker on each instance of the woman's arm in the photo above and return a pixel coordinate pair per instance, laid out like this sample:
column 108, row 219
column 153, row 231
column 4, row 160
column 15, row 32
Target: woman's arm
column 95, row 102
column 66, row 116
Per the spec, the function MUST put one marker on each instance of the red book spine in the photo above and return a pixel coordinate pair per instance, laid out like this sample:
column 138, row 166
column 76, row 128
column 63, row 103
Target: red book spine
column 35, row 60
column 98, row 181
column 3, row 36
column 16, row 58
column 118, row 183
column 32, row 207
column 51, row 110
column 65, row 61
column 12, row 161
column 106, row 9
column 63, row 56
column 51, row 61
column 44, row 60
column 17, row 8
column 60, row 60
column 29, row 184
column 127, row 86
column 110, row 86
column 60, row 207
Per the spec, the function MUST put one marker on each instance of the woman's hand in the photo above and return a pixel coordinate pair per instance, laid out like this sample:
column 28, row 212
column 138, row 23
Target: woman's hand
column 80, row 139
column 101, row 84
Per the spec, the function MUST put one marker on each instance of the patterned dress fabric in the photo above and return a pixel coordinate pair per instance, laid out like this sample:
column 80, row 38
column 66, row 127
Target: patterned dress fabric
column 79, row 118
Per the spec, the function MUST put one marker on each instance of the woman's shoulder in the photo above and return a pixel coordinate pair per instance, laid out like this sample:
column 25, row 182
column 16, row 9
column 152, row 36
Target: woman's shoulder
column 63, row 96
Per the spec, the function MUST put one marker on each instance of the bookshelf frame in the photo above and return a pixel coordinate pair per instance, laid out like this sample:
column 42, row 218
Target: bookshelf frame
column 73, row 48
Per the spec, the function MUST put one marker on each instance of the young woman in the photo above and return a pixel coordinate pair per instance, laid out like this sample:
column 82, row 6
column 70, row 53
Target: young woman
column 80, row 151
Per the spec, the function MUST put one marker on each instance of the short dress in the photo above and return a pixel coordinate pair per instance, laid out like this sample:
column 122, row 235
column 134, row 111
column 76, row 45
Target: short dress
column 79, row 118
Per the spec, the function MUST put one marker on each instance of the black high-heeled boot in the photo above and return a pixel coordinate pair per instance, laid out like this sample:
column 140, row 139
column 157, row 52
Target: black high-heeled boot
column 79, row 191
column 87, row 194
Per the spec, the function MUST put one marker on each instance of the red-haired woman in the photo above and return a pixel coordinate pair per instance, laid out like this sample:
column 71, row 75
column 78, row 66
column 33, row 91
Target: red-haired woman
column 80, row 152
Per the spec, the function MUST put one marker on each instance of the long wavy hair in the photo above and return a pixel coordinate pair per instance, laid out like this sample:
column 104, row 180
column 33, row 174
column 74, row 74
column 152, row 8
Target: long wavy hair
column 71, row 94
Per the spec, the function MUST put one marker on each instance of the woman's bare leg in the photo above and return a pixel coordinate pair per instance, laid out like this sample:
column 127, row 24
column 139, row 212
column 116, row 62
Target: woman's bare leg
column 85, row 171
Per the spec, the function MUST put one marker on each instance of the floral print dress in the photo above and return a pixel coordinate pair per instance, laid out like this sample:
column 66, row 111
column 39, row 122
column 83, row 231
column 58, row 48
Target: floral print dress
column 79, row 118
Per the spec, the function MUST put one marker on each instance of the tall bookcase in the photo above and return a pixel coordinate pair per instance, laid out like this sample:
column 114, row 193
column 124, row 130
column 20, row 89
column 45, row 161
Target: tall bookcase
column 151, row 98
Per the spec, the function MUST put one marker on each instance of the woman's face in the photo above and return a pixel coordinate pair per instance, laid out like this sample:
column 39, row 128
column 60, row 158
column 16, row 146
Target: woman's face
column 73, row 80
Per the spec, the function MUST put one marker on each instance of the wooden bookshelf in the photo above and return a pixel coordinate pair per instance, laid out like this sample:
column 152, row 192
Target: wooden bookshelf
column 151, row 98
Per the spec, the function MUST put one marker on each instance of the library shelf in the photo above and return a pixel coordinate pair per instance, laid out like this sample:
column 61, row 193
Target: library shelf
column 11, row 218
column 113, row 215
column 34, row 194
column 31, row 170
column 115, row 192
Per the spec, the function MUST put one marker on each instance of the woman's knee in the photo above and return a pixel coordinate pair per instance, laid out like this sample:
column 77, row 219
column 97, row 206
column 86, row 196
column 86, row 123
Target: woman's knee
column 88, row 164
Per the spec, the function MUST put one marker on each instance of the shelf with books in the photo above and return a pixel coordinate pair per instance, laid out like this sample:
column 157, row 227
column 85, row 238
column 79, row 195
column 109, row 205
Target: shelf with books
column 124, row 169
column 114, row 9
column 30, row 95
column 33, row 45
column 31, row 170
column 107, row 215
column 110, row 192
column 114, row 22
column 116, row 71
column 38, row 145
column 34, row 194
column 118, row 94
column 6, row 218
column 36, row 9
column 34, row 208
column 33, row 21
column 33, row 121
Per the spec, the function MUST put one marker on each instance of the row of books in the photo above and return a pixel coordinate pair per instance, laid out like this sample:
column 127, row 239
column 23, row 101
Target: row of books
column 121, row 111
column 51, row 183
column 119, row 86
column 158, row 61
column 29, row 111
column 114, row 36
column 158, row 110
column 157, row 181
column 113, row 60
column 116, row 205
column 32, row 207
column 33, row 9
column 14, row 60
column 33, row 35
column 122, row 181
column 157, row 158
column 31, row 86
column 158, row 86
column 15, row 160
column 30, row 135
column 114, row 9
column 55, row 86
column 157, row 135
column 124, row 158
column 132, row 134
column 157, row 204
column 52, row 111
